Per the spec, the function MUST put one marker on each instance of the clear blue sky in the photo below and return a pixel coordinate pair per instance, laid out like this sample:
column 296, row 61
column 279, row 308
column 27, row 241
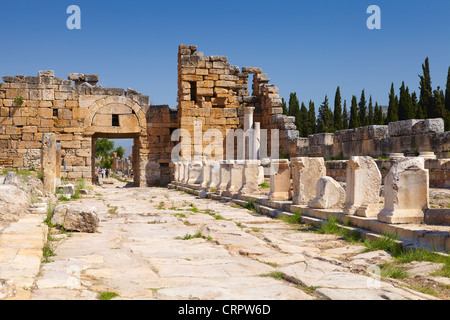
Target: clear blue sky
column 308, row 47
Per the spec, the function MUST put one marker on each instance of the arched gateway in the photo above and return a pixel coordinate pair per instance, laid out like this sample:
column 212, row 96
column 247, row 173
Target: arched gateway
column 119, row 117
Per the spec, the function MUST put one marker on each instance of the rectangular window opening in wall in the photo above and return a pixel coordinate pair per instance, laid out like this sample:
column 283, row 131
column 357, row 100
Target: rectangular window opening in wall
column 55, row 112
column 115, row 120
column 193, row 90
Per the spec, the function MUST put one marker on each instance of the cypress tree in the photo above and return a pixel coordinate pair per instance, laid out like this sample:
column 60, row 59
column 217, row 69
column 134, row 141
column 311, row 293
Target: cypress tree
column 304, row 121
column 325, row 119
column 414, row 103
column 312, row 128
column 447, row 102
column 405, row 106
column 338, row 121
column 285, row 109
column 437, row 109
column 345, row 116
column 447, row 92
column 362, row 110
column 354, row 117
column 371, row 119
column 426, row 92
column 376, row 117
column 392, row 115
column 294, row 106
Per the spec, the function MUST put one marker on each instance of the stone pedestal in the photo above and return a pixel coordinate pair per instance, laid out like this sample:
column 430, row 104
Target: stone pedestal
column 305, row 174
column 224, row 175
column 214, row 175
column 428, row 155
column 280, row 180
column 396, row 156
column 176, row 171
column 329, row 194
column 236, row 178
column 406, row 189
column 206, row 173
column 48, row 162
column 250, row 177
column 195, row 173
column 363, row 186
column 185, row 172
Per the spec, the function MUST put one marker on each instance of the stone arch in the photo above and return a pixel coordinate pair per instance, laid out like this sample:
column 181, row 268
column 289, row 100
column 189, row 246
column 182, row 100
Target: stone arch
column 101, row 109
column 132, row 123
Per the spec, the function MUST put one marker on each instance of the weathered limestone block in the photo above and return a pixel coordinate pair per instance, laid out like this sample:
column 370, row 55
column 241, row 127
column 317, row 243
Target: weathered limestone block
column 280, row 180
column 251, row 177
column 363, row 187
column 75, row 218
column 429, row 126
column 225, row 173
column 329, row 194
column 13, row 202
column 305, row 174
column 402, row 128
column 67, row 189
column 195, row 172
column 48, row 162
column 406, row 189
column 236, row 178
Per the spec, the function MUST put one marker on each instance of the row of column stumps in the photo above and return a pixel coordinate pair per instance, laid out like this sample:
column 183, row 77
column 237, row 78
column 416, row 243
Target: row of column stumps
column 303, row 181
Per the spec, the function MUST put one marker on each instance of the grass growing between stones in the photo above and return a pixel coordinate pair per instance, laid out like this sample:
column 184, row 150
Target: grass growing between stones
column 296, row 218
column 274, row 274
column 331, row 226
column 198, row 235
column 250, row 205
column 107, row 295
column 113, row 210
column 265, row 185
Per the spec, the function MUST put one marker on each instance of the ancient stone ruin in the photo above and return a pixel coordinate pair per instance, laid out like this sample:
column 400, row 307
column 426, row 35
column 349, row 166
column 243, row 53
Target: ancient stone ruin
column 226, row 132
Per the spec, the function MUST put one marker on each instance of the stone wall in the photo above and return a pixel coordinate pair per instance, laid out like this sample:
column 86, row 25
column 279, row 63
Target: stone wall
column 214, row 93
column 410, row 137
column 77, row 111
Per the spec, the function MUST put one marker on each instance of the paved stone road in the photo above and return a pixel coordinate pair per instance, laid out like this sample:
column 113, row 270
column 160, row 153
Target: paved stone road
column 141, row 251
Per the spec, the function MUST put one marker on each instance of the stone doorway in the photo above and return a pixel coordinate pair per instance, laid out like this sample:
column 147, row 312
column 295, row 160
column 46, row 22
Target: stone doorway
column 135, row 162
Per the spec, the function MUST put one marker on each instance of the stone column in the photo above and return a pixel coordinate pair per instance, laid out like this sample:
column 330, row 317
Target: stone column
column 305, row 174
column 214, row 175
column 236, row 178
column 363, row 186
column 224, row 175
column 195, row 172
column 250, row 181
column 280, row 180
column 48, row 162
column 406, row 189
